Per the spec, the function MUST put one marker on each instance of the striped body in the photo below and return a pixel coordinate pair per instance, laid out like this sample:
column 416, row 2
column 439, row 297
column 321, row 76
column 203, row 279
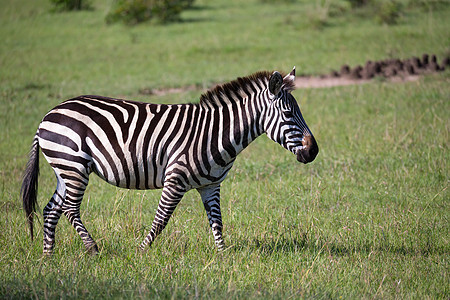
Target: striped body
column 177, row 148
column 149, row 141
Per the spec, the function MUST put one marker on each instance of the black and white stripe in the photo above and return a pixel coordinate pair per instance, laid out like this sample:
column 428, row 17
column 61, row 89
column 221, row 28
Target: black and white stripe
column 138, row 145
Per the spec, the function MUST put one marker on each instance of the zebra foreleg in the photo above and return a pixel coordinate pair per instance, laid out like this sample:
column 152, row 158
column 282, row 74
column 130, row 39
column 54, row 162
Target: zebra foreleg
column 170, row 197
column 211, row 200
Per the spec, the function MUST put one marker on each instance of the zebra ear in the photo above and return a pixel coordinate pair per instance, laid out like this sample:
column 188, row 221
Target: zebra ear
column 289, row 81
column 290, row 76
column 275, row 83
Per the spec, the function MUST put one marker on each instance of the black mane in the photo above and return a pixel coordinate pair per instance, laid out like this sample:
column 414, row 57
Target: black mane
column 240, row 84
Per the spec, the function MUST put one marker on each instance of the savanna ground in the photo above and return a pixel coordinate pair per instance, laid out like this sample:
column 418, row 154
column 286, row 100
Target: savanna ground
column 369, row 218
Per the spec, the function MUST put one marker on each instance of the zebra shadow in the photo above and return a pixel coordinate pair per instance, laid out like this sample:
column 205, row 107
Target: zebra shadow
column 270, row 245
column 303, row 245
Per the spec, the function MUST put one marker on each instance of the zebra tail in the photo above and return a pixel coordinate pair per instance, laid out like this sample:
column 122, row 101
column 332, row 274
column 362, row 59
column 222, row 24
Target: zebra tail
column 30, row 184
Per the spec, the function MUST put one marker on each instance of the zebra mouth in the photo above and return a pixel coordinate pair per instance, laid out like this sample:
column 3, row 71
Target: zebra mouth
column 299, row 155
column 301, row 158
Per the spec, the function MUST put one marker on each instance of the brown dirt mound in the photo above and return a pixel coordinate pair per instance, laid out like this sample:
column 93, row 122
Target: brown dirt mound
column 393, row 69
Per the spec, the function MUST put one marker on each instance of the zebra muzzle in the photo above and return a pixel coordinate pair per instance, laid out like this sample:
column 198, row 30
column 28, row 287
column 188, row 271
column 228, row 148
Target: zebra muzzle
column 309, row 150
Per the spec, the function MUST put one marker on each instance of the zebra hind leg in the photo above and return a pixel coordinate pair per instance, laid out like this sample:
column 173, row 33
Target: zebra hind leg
column 52, row 213
column 71, row 209
column 211, row 200
column 72, row 212
column 170, row 198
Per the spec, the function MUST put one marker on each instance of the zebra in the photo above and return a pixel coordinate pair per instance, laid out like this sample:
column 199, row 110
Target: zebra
column 176, row 148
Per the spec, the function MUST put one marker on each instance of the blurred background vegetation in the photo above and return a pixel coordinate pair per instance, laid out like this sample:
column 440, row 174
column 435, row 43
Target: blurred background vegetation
column 208, row 42
column 164, row 11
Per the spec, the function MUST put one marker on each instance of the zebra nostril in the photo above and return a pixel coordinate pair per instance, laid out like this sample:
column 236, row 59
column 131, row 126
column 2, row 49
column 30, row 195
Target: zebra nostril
column 310, row 150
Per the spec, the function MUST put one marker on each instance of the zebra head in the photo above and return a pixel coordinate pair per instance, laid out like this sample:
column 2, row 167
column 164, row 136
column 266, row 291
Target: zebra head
column 284, row 121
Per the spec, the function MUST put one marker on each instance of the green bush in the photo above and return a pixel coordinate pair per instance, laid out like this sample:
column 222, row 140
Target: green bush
column 319, row 15
column 276, row 1
column 356, row 3
column 383, row 11
column 137, row 11
column 65, row 5
column 388, row 12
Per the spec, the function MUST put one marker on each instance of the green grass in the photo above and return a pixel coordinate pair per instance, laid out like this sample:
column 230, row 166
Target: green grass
column 367, row 219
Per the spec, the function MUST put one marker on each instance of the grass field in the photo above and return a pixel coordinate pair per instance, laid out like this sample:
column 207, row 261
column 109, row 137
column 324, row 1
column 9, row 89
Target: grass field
column 369, row 218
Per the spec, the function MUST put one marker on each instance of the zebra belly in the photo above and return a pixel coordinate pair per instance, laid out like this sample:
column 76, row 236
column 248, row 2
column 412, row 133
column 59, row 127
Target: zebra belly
column 193, row 172
column 141, row 174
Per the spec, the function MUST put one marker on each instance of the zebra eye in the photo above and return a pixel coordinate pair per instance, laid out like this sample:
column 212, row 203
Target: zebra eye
column 288, row 114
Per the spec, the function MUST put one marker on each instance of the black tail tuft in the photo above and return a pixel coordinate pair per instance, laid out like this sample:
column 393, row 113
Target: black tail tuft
column 30, row 184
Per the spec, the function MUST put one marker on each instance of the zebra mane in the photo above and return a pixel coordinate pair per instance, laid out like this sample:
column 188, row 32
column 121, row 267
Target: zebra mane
column 240, row 86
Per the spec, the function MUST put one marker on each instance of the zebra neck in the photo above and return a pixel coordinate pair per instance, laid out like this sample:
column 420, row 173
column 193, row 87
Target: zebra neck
column 238, row 109
column 232, row 127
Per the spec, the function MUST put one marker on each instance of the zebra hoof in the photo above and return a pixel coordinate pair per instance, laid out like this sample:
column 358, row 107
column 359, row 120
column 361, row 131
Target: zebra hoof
column 221, row 247
column 142, row 248
column 92, row 250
